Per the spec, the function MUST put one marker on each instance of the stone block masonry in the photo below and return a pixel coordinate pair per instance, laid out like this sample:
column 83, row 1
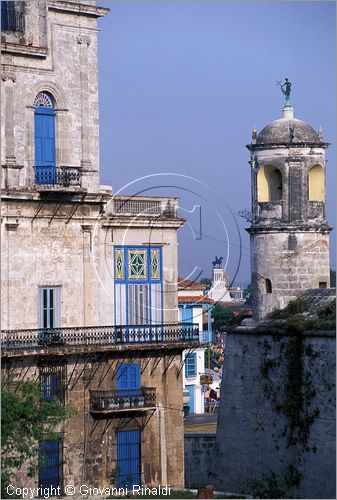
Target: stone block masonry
column 276, row 423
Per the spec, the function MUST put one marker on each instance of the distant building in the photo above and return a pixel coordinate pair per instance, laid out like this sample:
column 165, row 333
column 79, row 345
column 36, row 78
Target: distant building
column 219, row 291
column 193, row 305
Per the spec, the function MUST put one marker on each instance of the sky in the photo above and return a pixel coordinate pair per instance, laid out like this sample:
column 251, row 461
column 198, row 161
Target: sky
column 183, row 83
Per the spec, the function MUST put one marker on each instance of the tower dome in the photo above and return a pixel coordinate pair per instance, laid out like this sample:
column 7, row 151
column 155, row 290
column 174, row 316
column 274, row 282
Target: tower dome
column 288, row 131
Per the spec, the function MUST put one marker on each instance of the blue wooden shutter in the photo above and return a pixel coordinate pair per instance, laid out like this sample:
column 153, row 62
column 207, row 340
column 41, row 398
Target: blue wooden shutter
column 187, row 315
column 128, row 458
column 128, row 377
column 50, row 464
column 191, row 365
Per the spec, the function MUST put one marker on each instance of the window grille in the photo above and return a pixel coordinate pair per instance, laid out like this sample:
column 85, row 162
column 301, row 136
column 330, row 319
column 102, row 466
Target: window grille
column 53, row 382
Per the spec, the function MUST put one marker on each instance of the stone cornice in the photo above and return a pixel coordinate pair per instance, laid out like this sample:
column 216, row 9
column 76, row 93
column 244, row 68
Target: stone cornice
column 80, row 9
column 24, row 50
column 300, row 228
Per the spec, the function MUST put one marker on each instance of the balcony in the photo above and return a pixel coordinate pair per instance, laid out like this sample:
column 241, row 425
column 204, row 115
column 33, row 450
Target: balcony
column 95, row 336
column 145, row 207
column 57, row 176
column 125, row 400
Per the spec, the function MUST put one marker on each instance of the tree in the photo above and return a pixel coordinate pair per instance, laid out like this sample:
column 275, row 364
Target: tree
column 25, row 421
column 332, row 278
column 221, row 316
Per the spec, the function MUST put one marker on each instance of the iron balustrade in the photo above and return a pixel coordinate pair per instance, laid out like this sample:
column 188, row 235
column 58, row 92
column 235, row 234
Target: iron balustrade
column 99, row 336
column 125, row 399
column 134, row 206
column 57, row 176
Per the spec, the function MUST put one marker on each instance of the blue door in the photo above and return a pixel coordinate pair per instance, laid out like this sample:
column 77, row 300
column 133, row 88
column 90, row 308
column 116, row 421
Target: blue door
column 45, row 171
column 128, row 378
column 128, row 458
column 190, row 389
column 50, row 464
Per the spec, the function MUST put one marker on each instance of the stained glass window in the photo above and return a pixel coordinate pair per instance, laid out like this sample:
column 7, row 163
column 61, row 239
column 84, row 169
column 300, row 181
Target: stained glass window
column 155, row 272
column 119, row 264
column 137, row 268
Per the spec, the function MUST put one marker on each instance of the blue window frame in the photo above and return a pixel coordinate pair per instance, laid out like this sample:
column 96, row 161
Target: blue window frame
column 50, row 463
column 187, row 314
column 128, row 458
column 138, row 285
column 44, row 122
column 191, row 365
column 128, row 378
column 11, row 16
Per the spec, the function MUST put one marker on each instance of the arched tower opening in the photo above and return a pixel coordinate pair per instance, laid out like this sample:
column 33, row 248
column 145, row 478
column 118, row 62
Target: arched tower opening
column 316, row 191
column 269, row 288
column 269, row 184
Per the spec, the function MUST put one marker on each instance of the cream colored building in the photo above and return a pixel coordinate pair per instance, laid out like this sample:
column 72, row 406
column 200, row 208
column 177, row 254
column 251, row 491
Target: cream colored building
column 89, row 305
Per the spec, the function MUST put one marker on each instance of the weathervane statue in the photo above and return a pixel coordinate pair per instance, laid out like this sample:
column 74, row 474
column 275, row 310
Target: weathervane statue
column 286, row 90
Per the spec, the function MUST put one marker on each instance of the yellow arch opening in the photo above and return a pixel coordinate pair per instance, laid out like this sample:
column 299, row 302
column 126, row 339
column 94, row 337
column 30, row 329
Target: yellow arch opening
column 269, row 184
column 316, row 190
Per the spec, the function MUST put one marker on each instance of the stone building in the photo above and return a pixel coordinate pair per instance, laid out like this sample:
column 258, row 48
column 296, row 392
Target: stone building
column 289, row 232
column 195, row 307
column 89, row 306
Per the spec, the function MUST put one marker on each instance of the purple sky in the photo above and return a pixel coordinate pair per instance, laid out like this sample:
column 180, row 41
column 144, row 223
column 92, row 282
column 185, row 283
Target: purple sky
column 182, row 84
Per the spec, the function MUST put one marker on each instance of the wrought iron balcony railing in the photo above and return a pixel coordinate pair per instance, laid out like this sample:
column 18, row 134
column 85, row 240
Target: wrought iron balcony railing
column 99, row 336
column 122, row 400
column 57, row 176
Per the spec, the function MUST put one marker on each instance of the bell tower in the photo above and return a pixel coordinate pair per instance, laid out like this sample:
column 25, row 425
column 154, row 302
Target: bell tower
column 289, row 233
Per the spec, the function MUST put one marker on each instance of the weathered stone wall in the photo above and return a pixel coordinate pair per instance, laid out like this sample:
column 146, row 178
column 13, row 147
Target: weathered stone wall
column 56, row 53
column 200, row 459
column 89, row 443
column 46, row 244
column 258, row 431
column 292, row 261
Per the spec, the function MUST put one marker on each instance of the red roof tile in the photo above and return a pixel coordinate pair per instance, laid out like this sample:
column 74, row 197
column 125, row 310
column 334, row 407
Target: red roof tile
column 185, row 284
column 197, row 298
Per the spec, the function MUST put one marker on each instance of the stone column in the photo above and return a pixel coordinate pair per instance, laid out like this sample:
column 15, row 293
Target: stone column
column 12, row 169
column 87, row 173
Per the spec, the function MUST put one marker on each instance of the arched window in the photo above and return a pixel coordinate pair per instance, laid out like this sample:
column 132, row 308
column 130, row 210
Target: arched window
column 44, row 122
column 316, row 184
column 269, row 184
column 268, row 286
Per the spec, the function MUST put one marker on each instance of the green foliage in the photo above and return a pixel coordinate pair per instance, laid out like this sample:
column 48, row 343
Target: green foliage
column 248, row 295
column 221, row 316
column 328, row 312
column 206, row 281
column 212, row 355
column 332, row 278
column 268, row 487
column 297, row 306
column 25, row 421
